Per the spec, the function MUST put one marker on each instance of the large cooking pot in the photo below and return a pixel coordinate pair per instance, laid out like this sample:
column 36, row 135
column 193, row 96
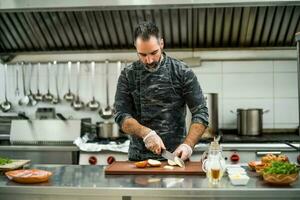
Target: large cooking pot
column 213, row 118
column 108, row 129
column 250, row 121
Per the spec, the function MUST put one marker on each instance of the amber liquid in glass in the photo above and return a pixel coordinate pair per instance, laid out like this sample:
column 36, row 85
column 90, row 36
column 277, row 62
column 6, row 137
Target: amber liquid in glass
column 215, row 173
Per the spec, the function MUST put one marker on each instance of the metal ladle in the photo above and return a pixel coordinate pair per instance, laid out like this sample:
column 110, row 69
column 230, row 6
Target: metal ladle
column 17, row 91
column 38, row 96
column 57, row 99
column 32, row 101
column 93, row 104
column 25, row 99
column 107, row 112
column 69, row 96
column 48, row 96
column 77, row 104
column 6, row 105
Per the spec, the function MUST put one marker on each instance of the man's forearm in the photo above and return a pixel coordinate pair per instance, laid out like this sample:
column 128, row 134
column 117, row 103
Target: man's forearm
column 194, row 135
column 132, row 127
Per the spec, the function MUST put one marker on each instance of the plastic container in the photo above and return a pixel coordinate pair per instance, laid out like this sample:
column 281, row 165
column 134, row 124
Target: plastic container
column 239, row 179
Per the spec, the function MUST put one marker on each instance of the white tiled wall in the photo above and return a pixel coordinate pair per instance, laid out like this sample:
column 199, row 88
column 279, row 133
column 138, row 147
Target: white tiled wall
column 271, row 85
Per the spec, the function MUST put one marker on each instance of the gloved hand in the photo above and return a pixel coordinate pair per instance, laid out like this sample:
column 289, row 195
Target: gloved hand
column 183, row 151
column 153, row 142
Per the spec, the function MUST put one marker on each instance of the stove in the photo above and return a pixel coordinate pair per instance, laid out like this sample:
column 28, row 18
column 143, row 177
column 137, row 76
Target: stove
column 231, row 136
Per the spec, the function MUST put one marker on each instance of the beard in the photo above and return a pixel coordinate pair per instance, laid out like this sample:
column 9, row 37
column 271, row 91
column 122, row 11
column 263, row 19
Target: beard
column 152, row 65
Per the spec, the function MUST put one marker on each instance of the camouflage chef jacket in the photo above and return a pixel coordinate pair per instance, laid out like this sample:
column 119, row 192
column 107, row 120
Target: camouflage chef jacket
column 157, row 99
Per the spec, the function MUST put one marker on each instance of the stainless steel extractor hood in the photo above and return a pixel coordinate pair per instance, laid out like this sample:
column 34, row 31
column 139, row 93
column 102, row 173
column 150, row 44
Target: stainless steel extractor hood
column 47, row 26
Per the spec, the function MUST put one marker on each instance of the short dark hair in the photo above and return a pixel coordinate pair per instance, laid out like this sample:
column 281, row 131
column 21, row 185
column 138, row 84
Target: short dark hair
column 145, row 30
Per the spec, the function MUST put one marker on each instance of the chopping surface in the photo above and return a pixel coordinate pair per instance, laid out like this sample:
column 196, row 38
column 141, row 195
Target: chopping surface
column 128, row 167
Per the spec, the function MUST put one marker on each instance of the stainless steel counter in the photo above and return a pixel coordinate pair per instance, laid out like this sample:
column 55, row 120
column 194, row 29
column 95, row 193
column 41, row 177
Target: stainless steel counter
column 39, row 154
column 89, row 182
column 37, row 148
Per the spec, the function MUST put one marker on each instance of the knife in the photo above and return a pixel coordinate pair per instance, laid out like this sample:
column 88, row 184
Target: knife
column 169, row 156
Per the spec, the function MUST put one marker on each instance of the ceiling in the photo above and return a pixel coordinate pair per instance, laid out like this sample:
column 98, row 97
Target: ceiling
column 110, row 28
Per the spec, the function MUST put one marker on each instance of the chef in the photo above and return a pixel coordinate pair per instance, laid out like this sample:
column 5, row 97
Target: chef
column 151, row 98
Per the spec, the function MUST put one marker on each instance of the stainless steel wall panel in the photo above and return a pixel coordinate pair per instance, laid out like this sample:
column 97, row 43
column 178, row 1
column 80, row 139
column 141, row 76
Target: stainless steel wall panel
column 45, row 33
column 201, row 28
column 13, row 31
column 270, row 16
column 21, row 30
column 103, row 30
column 219, row 27
column 94, row 29
column 294, row 27
column 189, row 28
column 166, row 32
column 279, row 15
column 258, row 30
column 86, row 31
column 287, row 18
column 118, row 26
column 181, row 27
column 251, row 26
column 67, row 30
column 128, row 28
column 74, row 25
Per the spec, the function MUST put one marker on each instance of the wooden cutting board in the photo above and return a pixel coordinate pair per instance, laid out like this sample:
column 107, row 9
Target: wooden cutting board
column 16, row 164
column 128, row 167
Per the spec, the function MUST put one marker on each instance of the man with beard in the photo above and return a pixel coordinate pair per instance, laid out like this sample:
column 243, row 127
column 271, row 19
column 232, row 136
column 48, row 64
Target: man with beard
column 151, row 98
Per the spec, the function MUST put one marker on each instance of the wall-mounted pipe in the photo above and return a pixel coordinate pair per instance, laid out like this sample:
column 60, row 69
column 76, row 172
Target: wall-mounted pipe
column 298, row 70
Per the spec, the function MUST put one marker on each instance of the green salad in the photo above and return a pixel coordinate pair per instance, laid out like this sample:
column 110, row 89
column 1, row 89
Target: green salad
column 281, row 168
column 4, row 161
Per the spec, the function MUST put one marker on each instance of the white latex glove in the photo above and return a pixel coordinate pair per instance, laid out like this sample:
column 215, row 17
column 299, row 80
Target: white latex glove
column 153, row 142
column 183, row 151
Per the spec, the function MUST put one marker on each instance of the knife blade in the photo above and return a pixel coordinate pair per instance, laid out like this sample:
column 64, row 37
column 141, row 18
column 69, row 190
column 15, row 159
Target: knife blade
column 169, row 156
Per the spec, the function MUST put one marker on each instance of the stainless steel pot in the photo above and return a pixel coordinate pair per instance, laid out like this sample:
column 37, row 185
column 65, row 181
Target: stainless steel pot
column 213, row 118
column 250, row 121
column 108, row 130
column 213, row 113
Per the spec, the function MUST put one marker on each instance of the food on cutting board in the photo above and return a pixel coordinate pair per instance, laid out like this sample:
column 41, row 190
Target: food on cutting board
column 154, row 163
column 169, row 167
column 172, row 163
column 175, row 162
column 4, row 161
column 28, row 175
column 141, row 164
column 148, row 163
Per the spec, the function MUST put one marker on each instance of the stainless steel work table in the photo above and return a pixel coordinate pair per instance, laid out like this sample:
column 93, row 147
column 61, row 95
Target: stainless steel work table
column 89, row 182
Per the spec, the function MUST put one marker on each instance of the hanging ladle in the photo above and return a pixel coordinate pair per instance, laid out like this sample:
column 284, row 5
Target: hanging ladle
column 93, row 104
column 77, row 104
column 48, row 96
column 6, row 105
column 57, row 99
column 25, row 99
column 38, row 96
column 107, row 112
column 69, row 96
column 32, row 101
